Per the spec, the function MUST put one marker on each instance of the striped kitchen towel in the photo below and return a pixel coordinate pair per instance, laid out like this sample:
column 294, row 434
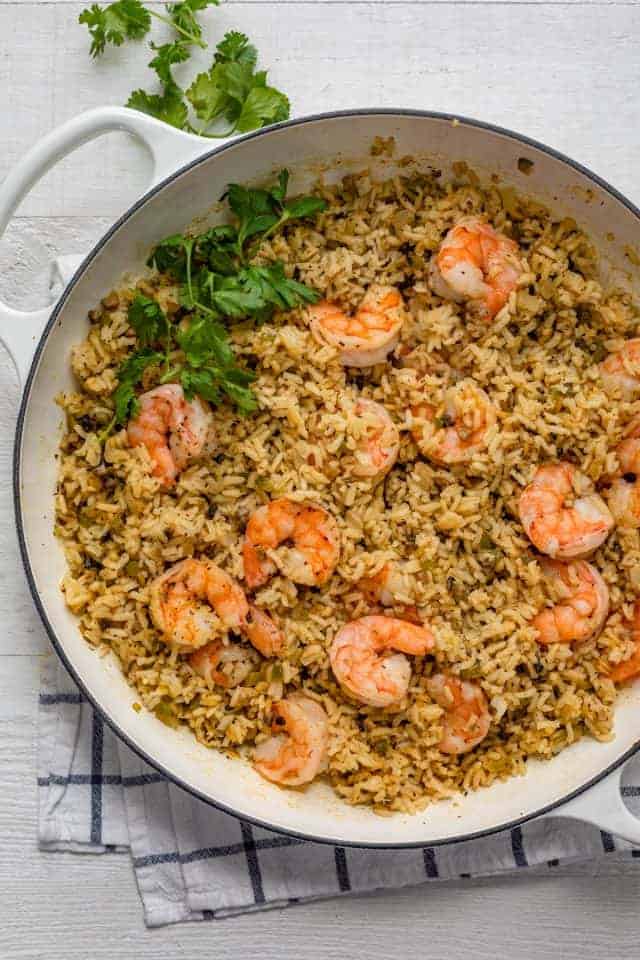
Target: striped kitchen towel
column 193, row 862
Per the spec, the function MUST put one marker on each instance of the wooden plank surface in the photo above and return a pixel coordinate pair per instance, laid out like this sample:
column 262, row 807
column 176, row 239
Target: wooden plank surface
column 536, row 68
column 566, row 73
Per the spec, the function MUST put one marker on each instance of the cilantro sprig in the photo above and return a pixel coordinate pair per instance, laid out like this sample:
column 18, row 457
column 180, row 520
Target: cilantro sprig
column 215, row 268
column 131, row 20
column 199, row 357
column 232, row 90
column 231, row 96
column 220, row 282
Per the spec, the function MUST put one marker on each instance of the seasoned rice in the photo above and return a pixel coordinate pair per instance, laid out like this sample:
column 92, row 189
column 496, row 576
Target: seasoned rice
column 468, row 565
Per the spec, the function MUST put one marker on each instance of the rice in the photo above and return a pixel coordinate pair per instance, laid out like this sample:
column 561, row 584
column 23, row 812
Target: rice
column 466, row 562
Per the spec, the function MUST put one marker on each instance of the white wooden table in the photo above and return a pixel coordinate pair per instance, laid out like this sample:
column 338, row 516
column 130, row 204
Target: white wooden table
column 565, row 72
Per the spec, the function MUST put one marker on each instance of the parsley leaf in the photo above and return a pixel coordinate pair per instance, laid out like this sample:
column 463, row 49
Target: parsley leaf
column 115, row 22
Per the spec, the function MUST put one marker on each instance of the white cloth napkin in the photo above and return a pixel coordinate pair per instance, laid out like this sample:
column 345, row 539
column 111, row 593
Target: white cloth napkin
column 193, row 862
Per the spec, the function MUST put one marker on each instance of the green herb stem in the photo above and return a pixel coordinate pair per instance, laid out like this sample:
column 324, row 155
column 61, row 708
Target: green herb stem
column 185, row 33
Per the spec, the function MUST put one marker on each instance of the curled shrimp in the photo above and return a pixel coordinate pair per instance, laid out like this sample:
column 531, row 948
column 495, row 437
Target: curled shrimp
column 312, row 533
column 384, row 586
column 624, row 493
column 173, row 430
column 629, row 668
column 377, row 440
column 562, row 514
column 369, row 335
column 297, row 751
column 391, row 586
column 466, row 719
column 194, row 599
column 582, row 607
column 263, row 633
column 224, row 664
column 459, row 428
column 363, row 662
column 620, row 371
column 478, row 265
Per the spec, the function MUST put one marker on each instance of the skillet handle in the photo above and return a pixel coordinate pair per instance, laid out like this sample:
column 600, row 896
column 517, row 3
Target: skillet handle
column 169, row 149
column 603, row 807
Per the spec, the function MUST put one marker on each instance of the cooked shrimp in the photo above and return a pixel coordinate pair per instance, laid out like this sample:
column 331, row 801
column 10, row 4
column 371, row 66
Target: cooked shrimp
column 620, row 371
column 630, row 668
column 624, row 493
column 298, row 750
column 562, row 514
column 455, row 431
column 263, row 633
column 173, row 430
column 382, row 587
column 369, row 335
column 478, row 265
column 310, row 529
column 193, row 600
column 378, row 439
column 466, row 719
column 363, row 664
column 582, row 607
column 387, row 586
column 224, row 664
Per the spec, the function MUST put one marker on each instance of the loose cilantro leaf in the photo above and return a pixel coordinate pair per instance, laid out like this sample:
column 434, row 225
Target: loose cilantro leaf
column 210, row 384
column 305, row 207
column 210, row 369
column 166, row 56
column 279, row 191
column 130, row 374
column 172, row 255
column 263, row 105
column 115, row 22
column 183, row 17
column 168, row 107
column 208, row 97
column 204, row 339
column 233, row 91
column 147, row 319
column 214, row 267
column 219, row 284
column 217, row 249
column 235, row 47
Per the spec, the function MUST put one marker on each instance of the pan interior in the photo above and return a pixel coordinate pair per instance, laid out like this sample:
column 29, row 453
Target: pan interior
column 329, row 147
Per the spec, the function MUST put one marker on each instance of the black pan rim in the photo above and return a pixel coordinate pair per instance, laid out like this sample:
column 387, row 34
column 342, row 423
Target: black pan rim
column 103, row 711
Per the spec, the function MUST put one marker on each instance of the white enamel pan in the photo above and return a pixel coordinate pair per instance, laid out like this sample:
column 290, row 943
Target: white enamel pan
column 189, row 177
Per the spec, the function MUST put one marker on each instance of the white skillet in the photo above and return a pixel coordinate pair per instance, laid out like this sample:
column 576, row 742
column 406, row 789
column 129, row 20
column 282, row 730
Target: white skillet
column 189, row 177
